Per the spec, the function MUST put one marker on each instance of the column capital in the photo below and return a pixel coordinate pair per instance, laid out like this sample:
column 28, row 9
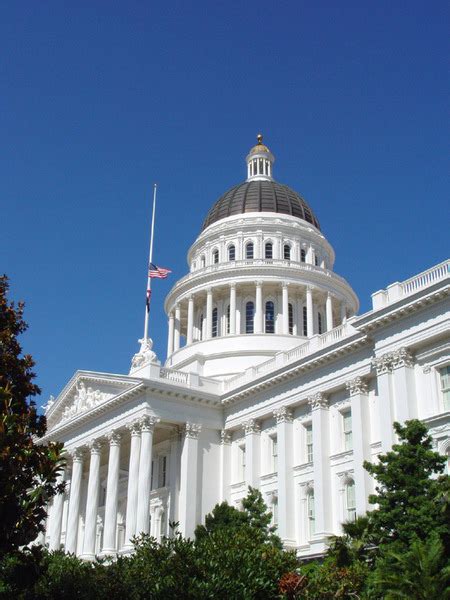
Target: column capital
column 192, row 430
column 310, row 289
column 318, row 400
column 171, row 315
column 95, row 446
column 357, row 386
column 258, row 283
column 76, row 454
column 148, row 423
column 232, row 284
column 383, row 364
column 190, row 297
column 225, row 437
column 402, row 358
column 209, row 290
column 285, row 284
column 134, row 428
column 283, row 415
column 251, row 426
column 114, row 438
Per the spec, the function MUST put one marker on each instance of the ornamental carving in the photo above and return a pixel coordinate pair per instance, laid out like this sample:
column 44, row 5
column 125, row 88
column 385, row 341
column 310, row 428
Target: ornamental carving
column 357, row 386
column 252, row 426
column 148, row 423
column 402, row 358
column 283, row 415
column 84, row 399
column 76, row 454
column 114, row 438
column 134, row 428
column 145, row 356
column 192, row 430
column 383, row 364
column 225, row 437
column 95, row 446
column 318, row 400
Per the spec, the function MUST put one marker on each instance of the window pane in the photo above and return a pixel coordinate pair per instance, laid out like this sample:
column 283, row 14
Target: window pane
column 228, row 319
column 216, row 256
column 249, row 317
column 309, row 443
column 287, row 252
column 291, row 319
column 268, row 250
column 214, row 322
column 249, row 250
column 305, row 321
column 231, row 253
column 303, row 255
column 270, row 317
column 319, row 319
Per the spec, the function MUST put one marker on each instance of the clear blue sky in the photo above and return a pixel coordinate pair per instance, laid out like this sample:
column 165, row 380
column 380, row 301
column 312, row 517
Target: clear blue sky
column 100, row 99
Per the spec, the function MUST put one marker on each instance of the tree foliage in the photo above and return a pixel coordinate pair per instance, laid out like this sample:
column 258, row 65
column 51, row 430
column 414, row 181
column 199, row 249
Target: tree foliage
column 28, row 470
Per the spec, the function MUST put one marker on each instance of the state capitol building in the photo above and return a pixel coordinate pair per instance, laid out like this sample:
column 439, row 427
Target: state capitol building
column 272, row 380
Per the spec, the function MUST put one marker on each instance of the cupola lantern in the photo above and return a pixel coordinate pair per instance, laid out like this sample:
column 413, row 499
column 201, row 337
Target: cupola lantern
column 260, row 162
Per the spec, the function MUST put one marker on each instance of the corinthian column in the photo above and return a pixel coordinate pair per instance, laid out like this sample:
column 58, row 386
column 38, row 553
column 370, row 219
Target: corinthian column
column 74, row 501
column 258, row 308
column 189, row 479
column 309, row 313
column 209, row 310
column 133, row 482
column 170, row 334
column 190, row 320
column 90, row 529
column 232, row 309
column 329, row 311
column 112, row 489
column 145, row 473
column 177, row 333
column 286, row 520
column 56, row 517
column 285, row 308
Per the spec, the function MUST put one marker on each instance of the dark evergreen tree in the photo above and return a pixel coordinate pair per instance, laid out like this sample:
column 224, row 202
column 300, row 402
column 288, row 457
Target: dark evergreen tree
column 28, row 470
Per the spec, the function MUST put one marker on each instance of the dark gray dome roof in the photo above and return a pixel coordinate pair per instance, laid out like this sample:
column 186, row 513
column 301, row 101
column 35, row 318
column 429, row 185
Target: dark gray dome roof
column 260, row 196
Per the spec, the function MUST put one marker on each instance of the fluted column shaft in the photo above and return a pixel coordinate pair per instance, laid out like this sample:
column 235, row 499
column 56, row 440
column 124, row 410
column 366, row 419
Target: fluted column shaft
column 133, row 483
column 189, row 479
column 285, row 308
column 252, row 451
column 177, row 332
column 112, row 489
column 74, row 502
column 286, row 519
column 56, row 517
column 145, row 473
column 329, row 311
column 209, row 309
column 170, row 334
column 90, row 529
column 190, row 321
column 309, row 313
column 258, row 309
column 232, row 309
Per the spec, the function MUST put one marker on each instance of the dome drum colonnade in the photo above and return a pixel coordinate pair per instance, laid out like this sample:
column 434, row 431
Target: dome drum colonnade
column 260, row 266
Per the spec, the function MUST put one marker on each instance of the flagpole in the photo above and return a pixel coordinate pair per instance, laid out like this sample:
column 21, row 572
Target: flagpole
column 150, row 259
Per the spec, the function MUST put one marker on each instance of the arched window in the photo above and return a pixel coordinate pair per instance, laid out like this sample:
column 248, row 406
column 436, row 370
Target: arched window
column 270, row 317
column 316, row 260
column 202, row 261
column 303, row 255
column 214, row 322
column 268, row 250
column 215, row 257
column 350, row 503
column 311, row 513
column 319, row 323
column 231, row 252
column 249, row 317
column 228, row 319
column 200, row 327
column 249, row 250
column 287, row 252
column 305, row 321
column 291, row 318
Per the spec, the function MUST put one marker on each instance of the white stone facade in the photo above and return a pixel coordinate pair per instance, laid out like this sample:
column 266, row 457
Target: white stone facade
column 271, row 380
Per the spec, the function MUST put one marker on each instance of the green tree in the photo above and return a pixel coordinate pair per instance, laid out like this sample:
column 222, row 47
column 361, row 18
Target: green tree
column 411, row 502
column 28, row 470
column 222, row 515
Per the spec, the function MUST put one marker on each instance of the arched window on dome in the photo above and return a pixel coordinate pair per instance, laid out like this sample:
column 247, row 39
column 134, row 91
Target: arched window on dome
column 231, row 252
column 249, row 250
column 249, row 317
column 270, row 317
column 228, row 319
column 291, row 318
column 202, row 261
column 319, row 323
column 268, row 250
column 302, row 255
column 214, row 322
column 316, row 260
column 305, row 321
column 350, row 502
column 215, row 256
column 287, row 252
column 311, row 513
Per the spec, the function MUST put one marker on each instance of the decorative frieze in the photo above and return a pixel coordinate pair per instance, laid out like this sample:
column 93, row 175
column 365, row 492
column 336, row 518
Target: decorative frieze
column 357, row 386
column 225, row 437
column 192, row 430
column 83, row 400
column 283, row 415
column 318, row 400
column 251, row 426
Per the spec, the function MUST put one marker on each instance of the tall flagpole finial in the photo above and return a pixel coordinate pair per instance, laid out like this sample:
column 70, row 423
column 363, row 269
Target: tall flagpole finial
column 259, row 137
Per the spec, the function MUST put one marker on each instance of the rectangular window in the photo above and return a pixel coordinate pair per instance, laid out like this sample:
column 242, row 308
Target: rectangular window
column 274, row 444
column 275, row 512
column 303, row 255
column 241, row 463
column 162, row 471
column 445, row 386
column 305, row 321
column 309, row 443
column 311, row 514
column 351, row 503
column 347, row 428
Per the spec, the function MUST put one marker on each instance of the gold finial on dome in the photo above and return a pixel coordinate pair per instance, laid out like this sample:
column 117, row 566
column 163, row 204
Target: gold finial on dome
column 259, row 137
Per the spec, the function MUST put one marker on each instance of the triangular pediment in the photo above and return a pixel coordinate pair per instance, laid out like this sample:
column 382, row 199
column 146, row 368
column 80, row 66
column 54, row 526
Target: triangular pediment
column 84, row 392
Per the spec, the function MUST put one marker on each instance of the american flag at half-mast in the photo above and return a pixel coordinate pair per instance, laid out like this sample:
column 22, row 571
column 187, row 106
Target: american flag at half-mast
column 157, row 272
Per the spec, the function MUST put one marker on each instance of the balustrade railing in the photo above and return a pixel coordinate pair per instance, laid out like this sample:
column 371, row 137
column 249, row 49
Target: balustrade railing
column 423, row 280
